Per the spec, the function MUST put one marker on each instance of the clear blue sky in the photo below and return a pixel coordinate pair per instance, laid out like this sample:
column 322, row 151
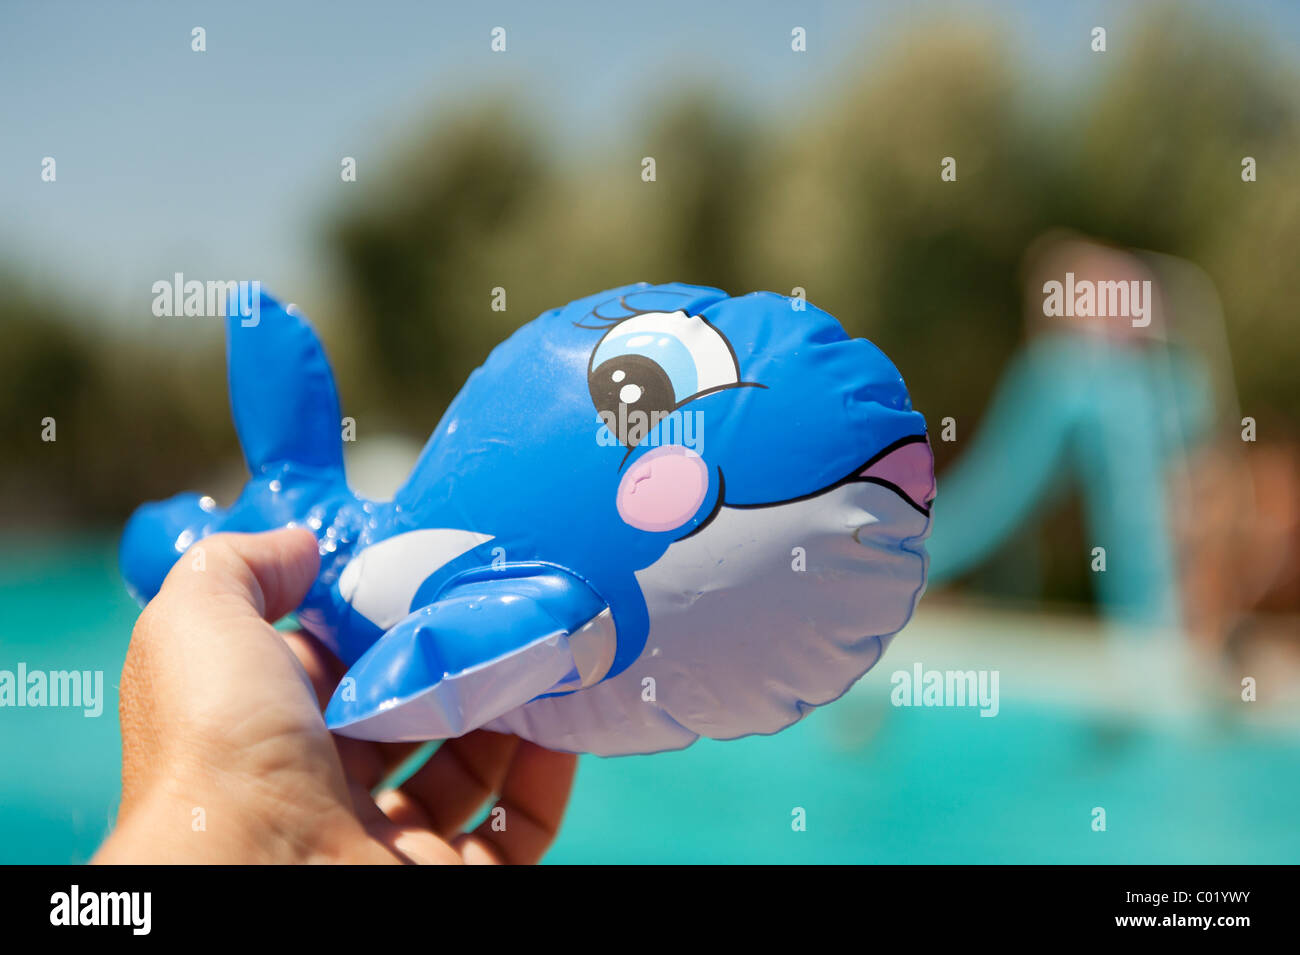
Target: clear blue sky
column 222, row 164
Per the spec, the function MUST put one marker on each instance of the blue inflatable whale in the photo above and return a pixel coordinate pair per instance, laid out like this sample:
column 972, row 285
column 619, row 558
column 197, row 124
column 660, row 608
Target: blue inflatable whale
column 654, row 514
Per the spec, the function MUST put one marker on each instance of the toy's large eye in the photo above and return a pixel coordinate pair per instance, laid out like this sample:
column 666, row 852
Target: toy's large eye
column 654, row 362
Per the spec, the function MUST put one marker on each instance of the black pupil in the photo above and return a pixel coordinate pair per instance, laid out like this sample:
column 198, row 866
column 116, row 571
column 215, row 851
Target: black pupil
column 640, row 386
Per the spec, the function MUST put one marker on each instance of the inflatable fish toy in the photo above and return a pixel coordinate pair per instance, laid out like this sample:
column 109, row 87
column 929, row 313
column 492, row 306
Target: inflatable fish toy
column 655, row 514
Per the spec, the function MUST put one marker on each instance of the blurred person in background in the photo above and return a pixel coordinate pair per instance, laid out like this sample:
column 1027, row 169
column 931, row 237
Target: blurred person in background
column 1200, row 536
column 1109, row 402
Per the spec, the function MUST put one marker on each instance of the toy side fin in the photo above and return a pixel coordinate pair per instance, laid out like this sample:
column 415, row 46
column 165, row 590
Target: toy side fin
column 491, row 644
column 282, row 394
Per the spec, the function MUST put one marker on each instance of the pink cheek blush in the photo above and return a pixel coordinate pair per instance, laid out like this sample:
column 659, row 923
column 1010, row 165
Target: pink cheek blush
column 664, row 489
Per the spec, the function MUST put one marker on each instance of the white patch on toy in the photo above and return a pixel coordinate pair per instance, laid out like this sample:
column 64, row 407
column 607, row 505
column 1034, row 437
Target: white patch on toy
column 382, row 580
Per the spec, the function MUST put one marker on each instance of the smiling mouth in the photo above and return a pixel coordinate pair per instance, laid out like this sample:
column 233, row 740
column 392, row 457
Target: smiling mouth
column 905, row 467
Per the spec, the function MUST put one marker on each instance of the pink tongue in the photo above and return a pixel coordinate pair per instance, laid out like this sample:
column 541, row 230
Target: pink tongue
column 909, row 468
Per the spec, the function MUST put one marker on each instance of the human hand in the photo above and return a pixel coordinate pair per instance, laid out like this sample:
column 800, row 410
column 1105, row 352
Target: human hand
column 221, row 722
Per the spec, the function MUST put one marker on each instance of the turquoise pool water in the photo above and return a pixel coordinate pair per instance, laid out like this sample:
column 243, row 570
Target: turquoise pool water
column 877, row 784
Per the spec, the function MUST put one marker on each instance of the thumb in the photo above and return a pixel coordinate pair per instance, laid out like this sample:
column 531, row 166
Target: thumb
column 267, row 574
column 211, row 696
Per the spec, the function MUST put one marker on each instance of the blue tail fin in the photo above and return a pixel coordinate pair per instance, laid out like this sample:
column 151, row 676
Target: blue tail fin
column 282, row 393
column 286, row 412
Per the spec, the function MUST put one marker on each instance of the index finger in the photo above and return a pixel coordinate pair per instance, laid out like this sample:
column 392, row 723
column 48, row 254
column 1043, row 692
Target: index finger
column 525, row 820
